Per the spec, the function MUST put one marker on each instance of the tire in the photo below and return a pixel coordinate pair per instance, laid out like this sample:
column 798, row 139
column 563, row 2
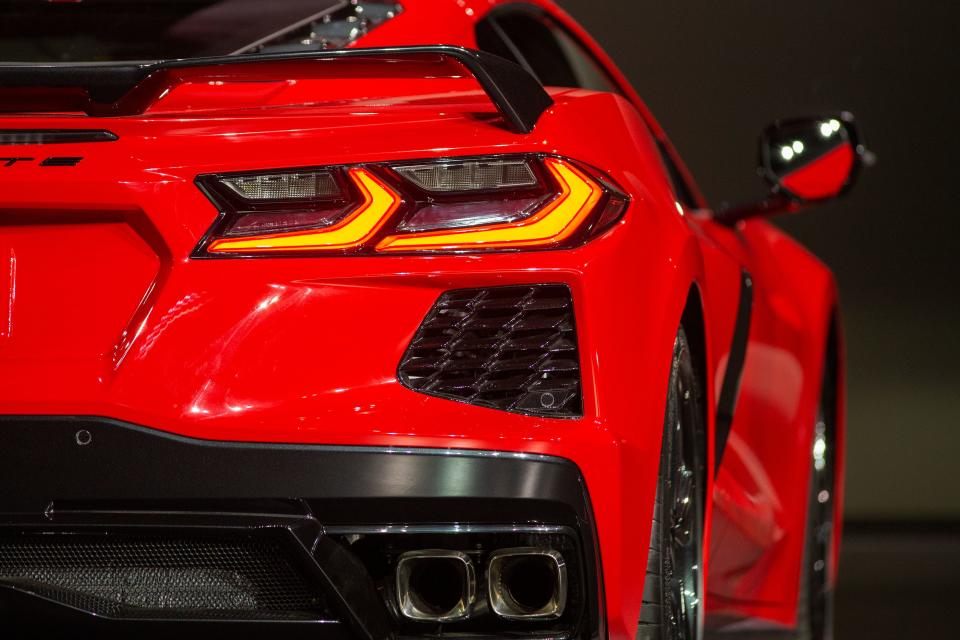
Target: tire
column 815, row 602
column 673, row 586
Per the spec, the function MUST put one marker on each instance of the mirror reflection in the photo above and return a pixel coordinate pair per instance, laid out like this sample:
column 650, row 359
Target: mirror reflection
column 810, row 159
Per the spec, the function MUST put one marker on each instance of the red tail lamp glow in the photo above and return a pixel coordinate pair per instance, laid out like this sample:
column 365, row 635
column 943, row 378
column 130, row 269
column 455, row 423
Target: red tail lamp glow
column 460, row 205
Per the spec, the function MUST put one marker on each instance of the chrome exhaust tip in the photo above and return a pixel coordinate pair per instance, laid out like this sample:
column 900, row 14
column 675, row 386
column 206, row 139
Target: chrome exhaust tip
column 435, row 585
column 526, row 583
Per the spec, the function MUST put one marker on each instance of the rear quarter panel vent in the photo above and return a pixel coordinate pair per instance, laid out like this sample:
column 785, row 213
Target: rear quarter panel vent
column 508, row 348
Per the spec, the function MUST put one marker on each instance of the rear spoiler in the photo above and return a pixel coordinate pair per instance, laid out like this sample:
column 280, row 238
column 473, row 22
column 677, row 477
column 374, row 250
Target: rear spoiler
column 129, row 88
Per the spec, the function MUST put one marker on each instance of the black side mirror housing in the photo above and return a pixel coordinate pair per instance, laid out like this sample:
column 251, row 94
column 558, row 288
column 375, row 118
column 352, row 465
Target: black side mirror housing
column 805, row 161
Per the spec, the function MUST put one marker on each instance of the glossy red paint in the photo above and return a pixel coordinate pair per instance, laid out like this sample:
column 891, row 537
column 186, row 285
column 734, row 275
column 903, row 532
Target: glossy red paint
column 103, row 311
column 758, row 518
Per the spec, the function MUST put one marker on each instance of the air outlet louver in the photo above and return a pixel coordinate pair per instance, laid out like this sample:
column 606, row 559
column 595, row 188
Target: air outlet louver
column 509, row 348
column 169, row 578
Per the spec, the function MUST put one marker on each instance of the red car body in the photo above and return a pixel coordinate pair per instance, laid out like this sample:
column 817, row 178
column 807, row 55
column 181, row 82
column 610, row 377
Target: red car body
column 104, row 312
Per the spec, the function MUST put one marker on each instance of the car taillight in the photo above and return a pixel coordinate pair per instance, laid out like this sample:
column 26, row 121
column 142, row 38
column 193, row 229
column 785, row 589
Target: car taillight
column 497, row 203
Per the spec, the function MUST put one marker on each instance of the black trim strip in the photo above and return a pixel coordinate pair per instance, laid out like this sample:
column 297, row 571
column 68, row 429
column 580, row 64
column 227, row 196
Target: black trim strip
column 126, row 88
column 55, row 136
column 43, row 460
column 730, row 390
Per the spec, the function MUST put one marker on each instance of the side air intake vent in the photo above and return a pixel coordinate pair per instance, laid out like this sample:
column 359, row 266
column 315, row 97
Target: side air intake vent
column 161, row 578
column 509, row 348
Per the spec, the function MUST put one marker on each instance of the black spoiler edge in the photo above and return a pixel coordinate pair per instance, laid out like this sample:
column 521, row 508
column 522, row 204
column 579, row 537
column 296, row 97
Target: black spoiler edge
column 517, row 94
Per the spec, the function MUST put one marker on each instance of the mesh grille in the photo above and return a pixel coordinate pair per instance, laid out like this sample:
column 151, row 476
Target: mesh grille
column 160, row 578
column 509, row 348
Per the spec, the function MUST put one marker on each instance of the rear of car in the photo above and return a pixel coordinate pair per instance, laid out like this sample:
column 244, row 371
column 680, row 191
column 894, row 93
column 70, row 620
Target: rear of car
column 362, row 319
column 276, row 330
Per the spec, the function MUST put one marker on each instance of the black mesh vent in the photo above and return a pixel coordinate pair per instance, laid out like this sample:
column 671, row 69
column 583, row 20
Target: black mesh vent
column 161, row 578
column 509, row 348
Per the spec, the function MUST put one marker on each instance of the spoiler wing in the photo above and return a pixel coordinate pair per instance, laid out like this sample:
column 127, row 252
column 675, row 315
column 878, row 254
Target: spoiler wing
column 129, row 88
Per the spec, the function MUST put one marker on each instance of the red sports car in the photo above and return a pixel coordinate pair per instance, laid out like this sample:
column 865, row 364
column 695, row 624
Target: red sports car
column 374, row 319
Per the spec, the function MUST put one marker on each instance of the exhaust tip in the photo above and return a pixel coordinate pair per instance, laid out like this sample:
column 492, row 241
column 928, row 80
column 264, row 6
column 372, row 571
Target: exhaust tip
column 527, row 583
column 436, row 585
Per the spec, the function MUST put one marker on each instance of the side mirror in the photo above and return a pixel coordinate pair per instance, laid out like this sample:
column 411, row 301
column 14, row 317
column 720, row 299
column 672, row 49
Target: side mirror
column 805, row 161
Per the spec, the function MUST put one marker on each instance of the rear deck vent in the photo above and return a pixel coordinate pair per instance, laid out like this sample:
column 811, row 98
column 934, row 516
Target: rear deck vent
column 161, row 578
column 510, row 348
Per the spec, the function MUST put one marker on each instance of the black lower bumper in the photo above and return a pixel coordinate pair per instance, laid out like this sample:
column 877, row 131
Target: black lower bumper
column 98, row 477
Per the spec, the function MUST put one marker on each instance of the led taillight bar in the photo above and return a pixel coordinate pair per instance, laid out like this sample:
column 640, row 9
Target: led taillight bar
column 550, row 226
column 377, row 205
column 497, row 203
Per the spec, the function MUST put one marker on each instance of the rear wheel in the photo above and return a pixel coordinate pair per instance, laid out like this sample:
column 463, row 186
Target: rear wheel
column 673, row 589
column 815, row 605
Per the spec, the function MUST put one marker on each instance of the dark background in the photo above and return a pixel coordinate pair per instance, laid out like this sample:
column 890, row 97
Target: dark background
column 714, row 73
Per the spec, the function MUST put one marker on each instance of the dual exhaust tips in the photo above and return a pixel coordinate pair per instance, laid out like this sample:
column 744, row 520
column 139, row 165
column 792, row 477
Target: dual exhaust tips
column 523, row 583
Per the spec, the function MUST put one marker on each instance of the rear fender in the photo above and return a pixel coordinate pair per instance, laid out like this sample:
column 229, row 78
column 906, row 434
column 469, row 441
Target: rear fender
column 633, row 325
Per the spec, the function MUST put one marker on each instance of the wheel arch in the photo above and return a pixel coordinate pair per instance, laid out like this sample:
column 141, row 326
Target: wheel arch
column 693, row 323
column 694, row 326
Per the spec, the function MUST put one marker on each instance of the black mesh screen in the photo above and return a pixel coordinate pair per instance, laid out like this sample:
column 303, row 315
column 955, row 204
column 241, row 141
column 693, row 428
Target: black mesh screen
column 161, row 577
column 510, row 348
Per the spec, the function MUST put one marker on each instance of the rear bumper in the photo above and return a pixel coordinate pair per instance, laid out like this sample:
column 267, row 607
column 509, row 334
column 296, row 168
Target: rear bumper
column 79, row 475
column 123, row 462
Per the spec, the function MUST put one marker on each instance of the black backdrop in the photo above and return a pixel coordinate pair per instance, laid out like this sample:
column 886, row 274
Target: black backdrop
column 715, row 72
